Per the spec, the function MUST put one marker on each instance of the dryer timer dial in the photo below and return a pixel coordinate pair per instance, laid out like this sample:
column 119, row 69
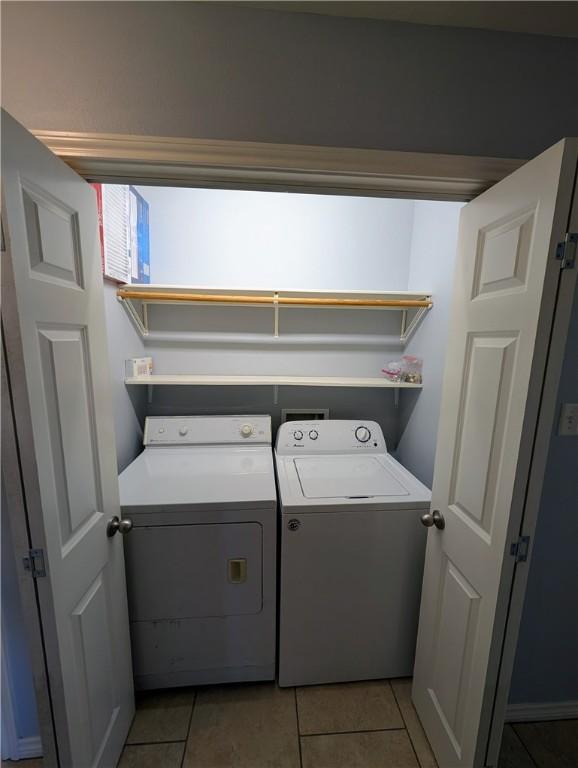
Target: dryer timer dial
column 362, row 434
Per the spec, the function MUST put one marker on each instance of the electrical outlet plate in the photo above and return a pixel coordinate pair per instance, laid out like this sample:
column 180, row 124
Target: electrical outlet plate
column 568, row 424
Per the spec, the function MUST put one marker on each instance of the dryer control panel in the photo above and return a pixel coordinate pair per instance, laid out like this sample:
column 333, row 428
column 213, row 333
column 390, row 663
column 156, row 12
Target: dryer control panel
column 207, row 430
column 330, row 436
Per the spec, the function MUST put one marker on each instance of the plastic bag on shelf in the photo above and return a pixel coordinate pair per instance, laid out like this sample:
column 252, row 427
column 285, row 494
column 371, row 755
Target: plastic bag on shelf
column 411, row 369
column 393, row 370
column 407, row 369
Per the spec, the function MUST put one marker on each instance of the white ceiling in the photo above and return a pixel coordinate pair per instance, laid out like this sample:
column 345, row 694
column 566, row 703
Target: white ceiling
column 540, row 18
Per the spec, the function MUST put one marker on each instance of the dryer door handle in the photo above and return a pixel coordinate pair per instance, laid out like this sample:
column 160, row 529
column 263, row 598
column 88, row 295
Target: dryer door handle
column 237, row 570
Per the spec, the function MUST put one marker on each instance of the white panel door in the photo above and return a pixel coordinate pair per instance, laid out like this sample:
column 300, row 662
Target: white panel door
column 58, row 365
column 504, row 294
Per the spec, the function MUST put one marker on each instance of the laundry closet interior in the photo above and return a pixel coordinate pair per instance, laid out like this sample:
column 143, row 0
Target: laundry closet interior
column 277, row 313
column 289, row 362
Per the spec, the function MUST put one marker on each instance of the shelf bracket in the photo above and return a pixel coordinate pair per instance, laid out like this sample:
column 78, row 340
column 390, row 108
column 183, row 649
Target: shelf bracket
column 396, row 397
column 141, row 323
column 415, row 321
column 276, row 394
column 276, row 314
column 403, row 323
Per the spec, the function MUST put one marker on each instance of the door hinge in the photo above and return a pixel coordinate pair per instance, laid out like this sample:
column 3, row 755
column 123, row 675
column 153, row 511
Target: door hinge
column 519, row 549
column 566, row 251
column 34, row 563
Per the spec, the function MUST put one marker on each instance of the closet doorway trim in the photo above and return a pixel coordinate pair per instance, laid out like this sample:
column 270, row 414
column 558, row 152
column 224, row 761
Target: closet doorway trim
column 282, row 167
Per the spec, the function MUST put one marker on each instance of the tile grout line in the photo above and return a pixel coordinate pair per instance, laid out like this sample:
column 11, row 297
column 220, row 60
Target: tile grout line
column 153, row 743
column 349, row 733
column 298, row 727
column 189, row 728
column 522, row 742
column 400, row 709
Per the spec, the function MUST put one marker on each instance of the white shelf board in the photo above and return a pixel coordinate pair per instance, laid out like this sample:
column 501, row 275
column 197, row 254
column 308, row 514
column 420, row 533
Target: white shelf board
column 321, row 293
column 290, row 381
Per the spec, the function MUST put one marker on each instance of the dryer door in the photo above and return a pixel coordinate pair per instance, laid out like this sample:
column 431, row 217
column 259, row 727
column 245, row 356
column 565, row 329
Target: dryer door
column 194, row 571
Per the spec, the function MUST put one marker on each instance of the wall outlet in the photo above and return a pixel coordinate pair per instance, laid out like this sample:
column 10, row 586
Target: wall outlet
column 568, row 424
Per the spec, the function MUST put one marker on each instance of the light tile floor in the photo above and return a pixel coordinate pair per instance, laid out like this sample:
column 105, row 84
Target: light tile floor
column 358, row 725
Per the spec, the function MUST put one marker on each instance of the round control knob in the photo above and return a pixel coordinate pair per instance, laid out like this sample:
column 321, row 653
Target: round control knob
column 314, row 434
column 298, row 435
column 246, row 430
column 362, row 434
column 183, row 431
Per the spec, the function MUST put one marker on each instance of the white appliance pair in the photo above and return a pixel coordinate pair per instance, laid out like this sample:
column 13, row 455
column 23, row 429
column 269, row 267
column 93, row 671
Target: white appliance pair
column 202, row 553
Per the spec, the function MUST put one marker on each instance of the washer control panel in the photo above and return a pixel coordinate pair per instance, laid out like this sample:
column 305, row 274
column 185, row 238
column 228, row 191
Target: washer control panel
column 207, row 430
column 330, row 436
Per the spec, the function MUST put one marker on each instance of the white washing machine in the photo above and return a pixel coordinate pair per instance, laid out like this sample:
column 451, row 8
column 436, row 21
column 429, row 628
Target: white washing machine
column 201, row 553
column 352, row 554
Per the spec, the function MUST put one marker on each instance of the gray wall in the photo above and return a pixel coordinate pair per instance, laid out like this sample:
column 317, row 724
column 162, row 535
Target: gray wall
column 256, row 239
column 244, row 239
column 546, row 668
column 128, row 404
column 211, row 71
column 433, row 250
column 371, row 404
column 253, row 350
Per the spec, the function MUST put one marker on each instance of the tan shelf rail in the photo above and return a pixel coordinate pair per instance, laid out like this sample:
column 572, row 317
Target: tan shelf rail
column 412, row 306
column 305, row 301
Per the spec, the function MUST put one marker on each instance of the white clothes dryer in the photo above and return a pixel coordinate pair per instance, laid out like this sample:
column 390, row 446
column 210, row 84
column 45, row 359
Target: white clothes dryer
column 201, row 554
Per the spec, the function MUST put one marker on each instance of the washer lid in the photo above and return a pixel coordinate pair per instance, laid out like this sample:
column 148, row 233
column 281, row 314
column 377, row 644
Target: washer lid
column 329, row 477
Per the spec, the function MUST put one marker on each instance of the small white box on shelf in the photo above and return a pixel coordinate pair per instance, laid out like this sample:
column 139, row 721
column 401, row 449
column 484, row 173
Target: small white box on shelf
column 138, row 366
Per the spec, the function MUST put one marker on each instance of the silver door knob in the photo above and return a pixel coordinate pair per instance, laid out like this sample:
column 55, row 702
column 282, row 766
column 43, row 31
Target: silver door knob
column 434, row 518
column 115, row 525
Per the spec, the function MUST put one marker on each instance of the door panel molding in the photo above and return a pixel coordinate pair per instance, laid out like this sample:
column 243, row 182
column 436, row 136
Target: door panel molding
column 289, row 167
column 500, row 268
column 454, row 640
column 479, row 441
column 46, row 261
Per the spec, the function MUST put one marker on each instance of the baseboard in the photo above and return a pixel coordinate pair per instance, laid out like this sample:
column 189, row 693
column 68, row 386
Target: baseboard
column 555, row 710
column 31, row 746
